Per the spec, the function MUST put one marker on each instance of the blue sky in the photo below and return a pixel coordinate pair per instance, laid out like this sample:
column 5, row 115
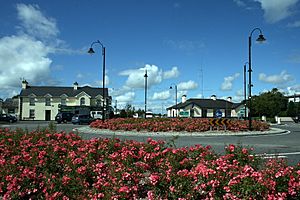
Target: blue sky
column 201, row 46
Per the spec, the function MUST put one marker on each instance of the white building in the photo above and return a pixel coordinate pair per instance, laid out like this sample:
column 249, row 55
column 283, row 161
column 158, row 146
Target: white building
column 196, row 107
column 294, row 98
column 44, row 102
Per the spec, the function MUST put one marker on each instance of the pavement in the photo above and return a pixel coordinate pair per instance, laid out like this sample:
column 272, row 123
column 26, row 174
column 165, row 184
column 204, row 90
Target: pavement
column 87, row 129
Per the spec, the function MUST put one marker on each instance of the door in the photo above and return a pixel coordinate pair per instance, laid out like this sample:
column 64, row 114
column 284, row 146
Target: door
column 48, row 115
column 204, row 113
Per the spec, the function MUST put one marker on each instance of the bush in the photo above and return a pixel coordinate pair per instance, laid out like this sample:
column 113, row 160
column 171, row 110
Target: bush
column 175, row 124
column 45, row 165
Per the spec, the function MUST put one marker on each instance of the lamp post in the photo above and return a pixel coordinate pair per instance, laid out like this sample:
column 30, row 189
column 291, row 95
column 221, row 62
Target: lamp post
column 245, row 91
column 146, row 76
column 260, row 39
column 91, row 51
column 175, row 86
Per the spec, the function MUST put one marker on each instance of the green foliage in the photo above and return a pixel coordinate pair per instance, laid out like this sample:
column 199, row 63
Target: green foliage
column 292, row 109
column 269, row 103
column 123, row 114
column 52, row 127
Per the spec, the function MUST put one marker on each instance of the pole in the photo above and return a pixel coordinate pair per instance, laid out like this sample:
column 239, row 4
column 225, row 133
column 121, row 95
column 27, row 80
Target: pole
column 103, row 84
column 146, row 76
column 245, row 95
column 250, row 86
column 116, row 103
column 176, row 100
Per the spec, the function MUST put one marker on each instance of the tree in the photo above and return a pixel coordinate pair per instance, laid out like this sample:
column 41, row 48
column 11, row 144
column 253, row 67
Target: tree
column 269, row 103
column 123, row 113
column 291, row 109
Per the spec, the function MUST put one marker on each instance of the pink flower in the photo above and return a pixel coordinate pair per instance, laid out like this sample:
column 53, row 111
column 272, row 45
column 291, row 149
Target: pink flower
column 124, row 189
column 150, row 195
column 81, row 170
column 154, row 179
column 65, row 180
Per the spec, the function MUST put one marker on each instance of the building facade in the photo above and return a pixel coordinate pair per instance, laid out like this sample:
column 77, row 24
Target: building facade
column 44, row 102
column 196, row 107
column 294, row 98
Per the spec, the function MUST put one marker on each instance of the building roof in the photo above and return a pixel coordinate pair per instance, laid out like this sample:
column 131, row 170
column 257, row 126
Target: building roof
column 58, row 91
column 207, row 103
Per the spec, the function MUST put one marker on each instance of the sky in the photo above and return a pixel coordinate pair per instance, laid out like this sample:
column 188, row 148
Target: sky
column 199, row 46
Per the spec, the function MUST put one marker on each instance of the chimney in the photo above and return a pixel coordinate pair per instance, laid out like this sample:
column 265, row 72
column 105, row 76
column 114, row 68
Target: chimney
column 229, row 99
column 213, row 97
column 24, row 84
column 75, row 86
column 183, row 98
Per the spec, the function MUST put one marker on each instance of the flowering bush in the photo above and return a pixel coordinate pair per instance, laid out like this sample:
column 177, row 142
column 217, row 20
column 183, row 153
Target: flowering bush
column 47, row 165
column 174, row 124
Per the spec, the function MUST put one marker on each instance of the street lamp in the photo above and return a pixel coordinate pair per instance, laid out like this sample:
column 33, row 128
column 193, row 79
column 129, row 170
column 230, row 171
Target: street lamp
column 175, row 86
column 245, row 91
column 146, row 76
column 260, row 39
column 91, row 51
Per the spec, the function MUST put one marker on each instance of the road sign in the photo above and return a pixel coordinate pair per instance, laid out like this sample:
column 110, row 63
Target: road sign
column 184, row 113
column 218, row 114
column 219, row 122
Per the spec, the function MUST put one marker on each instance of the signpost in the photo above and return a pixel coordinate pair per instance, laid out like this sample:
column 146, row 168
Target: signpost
column 219, row 122
column 218, row 114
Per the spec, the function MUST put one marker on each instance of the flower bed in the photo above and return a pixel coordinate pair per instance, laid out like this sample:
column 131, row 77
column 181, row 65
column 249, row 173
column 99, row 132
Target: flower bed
column 174, row 124
column 45, row 165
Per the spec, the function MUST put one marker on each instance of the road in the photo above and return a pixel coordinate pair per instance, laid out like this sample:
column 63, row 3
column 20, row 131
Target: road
column 285, row 145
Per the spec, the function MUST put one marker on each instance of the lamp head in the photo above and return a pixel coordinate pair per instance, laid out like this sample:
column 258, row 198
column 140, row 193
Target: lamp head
column 261, row 38
column 91, row 51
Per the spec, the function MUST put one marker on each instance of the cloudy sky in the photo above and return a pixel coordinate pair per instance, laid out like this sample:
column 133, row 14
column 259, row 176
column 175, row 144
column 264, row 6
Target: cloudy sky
column 199, row 46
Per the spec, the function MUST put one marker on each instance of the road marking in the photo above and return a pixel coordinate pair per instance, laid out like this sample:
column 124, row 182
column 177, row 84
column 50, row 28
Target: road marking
column 278, row 155
column 264, row 135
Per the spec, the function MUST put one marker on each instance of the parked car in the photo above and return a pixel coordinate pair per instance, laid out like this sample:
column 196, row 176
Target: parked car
column 96, row 114
column 64, row 117
column 82, row 119
column 8, row 118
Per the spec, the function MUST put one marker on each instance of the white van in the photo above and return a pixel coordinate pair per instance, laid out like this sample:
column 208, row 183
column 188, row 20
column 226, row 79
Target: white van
column 96, row 114
column 149, row 114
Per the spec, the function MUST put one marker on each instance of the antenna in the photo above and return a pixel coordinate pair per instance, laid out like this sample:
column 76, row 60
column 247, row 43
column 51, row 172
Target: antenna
column 201, row 77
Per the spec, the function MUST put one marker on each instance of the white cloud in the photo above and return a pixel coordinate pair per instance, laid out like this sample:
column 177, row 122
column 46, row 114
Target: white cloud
column 100, row 82
column 126, row 98
column 161, row 95
column 276, row 10
column 189, row 85
column 173, row 73
column 227, row 84
column 240, row 3
column 295, row 24
column 35, row 23
column 293, row 89
column 156, row 75
column 185, row 45
column 25, row 55
column 79, row 75
column 281, row 78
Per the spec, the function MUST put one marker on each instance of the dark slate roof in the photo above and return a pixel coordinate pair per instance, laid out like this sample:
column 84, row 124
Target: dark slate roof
column 58, row 91
column 207, row 103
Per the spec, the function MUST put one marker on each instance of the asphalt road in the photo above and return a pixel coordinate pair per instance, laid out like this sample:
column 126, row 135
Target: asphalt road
column 286, row 145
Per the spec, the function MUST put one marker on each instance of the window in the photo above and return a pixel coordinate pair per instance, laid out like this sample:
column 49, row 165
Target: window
column 31, row 113
column 98, row 102
column 31, row 101
column 48, row 101
column 63, row 102
column 82, row 101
